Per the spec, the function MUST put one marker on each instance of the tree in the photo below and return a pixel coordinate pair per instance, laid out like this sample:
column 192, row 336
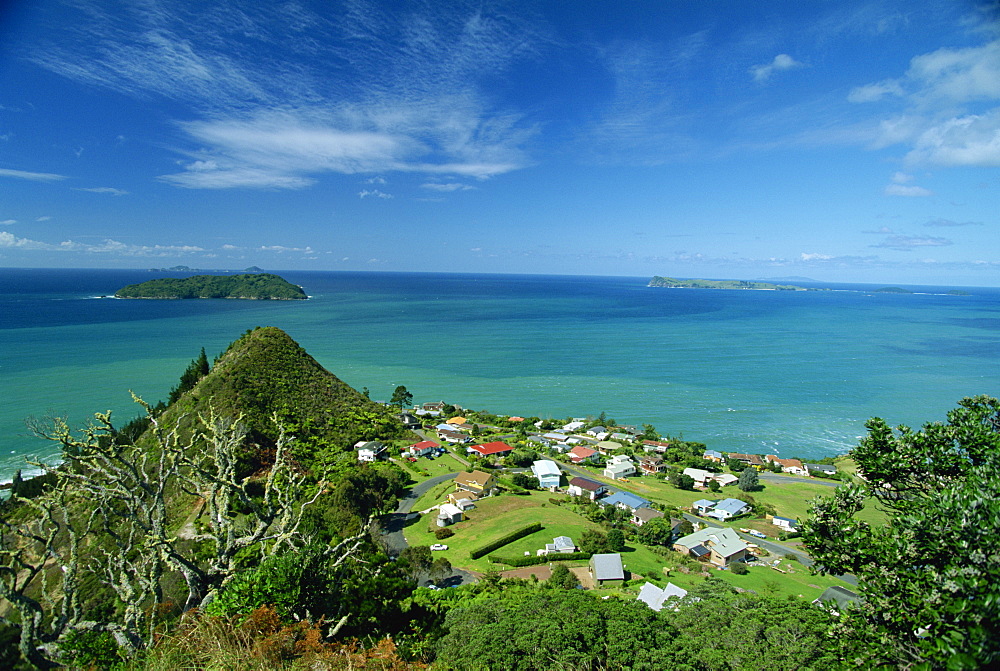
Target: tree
column 440, row 569
column 930, row 576
column 594, row 542
column 735, row 465
column 749, row 481
column 616, row 540
column 657, row 531
column 523, row 480
column 196, row 370
column 415, row 560
column 401, row 397
column 563, row 578
column 682, row 481
column 714, row 486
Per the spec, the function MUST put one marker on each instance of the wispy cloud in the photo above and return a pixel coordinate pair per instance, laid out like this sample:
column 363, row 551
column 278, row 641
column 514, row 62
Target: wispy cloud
column 781, row 63
column 446, row 186
column 391, row 91
column 32, row 176
column 109, row 247
column 907, row 191
column 906, row 243
column 106, row 189
column 948, row 223
column 8, row 222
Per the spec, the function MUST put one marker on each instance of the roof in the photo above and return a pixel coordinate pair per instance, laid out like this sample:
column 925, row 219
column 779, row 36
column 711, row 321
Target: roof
column 584, row 483
column 487, row 449
column 473, row 478
column 646, row 514
column 583, row 451
column 787, row 463
column 608, row 566
column 625, row 498
column 458, row 420
column 703, row 503
column 424, row 444
column 654, row 597
column 725, row 478
column 731, row 506
column 713, row 453
column 563, row 542
column 723, row 540
column 620, row 467
column 697, row 473
column 544, row 467
column 840, row 595
column 449, row 510
column 826, row 468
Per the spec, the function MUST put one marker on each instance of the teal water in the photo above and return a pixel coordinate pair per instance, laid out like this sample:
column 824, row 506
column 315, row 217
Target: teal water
column 796, row 373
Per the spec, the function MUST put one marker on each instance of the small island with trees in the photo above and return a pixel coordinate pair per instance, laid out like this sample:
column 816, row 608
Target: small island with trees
column 671, row 283
column 263, row 286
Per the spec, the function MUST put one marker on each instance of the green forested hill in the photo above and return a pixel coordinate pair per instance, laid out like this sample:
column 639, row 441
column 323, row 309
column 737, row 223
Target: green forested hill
column 266, row 374
column 263, row 286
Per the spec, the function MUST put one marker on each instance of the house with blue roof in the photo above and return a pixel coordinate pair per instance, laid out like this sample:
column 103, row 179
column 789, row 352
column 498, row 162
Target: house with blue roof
column 625, row 501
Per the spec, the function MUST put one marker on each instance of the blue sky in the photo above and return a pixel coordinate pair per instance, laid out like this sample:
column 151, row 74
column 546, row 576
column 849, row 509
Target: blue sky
column 841, row 141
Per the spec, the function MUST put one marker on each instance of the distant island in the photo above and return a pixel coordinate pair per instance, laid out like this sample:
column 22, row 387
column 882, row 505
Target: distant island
column 672, row 283
column 263, row 286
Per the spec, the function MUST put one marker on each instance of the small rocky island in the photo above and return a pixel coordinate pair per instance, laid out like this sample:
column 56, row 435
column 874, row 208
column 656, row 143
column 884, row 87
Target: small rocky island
column 263, row 286
column 672, row 283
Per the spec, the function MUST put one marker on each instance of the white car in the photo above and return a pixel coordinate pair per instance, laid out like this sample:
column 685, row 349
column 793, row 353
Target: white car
column 439, row 546
column 752, row 532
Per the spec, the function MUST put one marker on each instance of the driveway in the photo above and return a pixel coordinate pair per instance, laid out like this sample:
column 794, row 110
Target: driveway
column 394, row 523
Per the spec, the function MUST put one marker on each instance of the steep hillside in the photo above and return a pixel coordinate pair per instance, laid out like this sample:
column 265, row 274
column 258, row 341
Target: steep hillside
column 265, row 374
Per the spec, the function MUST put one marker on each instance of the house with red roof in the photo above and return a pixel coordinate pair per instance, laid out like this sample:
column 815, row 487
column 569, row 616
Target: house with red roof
column 582, row 453
column 422, row 448
column 497, row 448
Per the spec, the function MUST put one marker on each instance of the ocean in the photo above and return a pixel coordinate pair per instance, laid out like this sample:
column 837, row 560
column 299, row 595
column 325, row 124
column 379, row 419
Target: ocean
column 791, row 373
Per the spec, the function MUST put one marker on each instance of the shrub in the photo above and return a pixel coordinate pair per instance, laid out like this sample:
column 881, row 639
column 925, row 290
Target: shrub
column 442, row 533
column 504, row 540
column 791, row 556
column 739, row 568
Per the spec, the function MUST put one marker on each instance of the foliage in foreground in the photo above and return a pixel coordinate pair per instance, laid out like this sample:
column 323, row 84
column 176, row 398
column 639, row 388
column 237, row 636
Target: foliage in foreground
column 930, row 577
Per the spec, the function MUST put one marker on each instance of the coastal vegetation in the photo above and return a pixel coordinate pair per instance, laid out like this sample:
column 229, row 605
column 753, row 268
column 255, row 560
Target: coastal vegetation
column 261, row 286
column 233, row 527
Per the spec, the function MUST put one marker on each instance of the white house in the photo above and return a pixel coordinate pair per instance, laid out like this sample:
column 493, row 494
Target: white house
column 449, row 514
column 619, row 469
column 583, row 487
column 699, row 476
column 547, row 472
column 728, row 508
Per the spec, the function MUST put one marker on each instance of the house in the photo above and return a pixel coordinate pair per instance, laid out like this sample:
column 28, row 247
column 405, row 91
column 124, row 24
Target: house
column 725, row 479
column 449, row 514
column 547, row 472
column 655, row 446
column 702, row 506
column 608, row 447
column 837, row 598
column 607, row 569
column 619, row 469
column 748, row 459
column 625, row 501
column 581, row 454
column 583, row 487
column 436, row 406
column 555, row 436
column 463, row 502
column 654, row 597
column 793, row 466
column 477, row 482
column 450, row 436
column 574, row 425
column 491, row 449
column 785, row 523
column 621, row 437
column 822, row 469
column 652, row 465
column 642, row 515
column 597, row 431
column 699, row 476
column 422, row 448
column 370, row 450
column 559, row 544
column 719, row 546
column 712, row 455
column 459, row 421
column 409, row 420
column 728, row 509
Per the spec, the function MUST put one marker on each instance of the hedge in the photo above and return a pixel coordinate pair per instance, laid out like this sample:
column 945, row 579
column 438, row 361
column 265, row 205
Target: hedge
column 543, row 559
column 503, row 540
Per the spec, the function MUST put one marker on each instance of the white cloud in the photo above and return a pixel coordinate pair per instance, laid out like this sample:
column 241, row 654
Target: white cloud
column 972, row 140
column 446, row 187
column 375, row 193
column 907, row 191
column 805, row 256
column 906, row 243
column 901, row 178
column 281, row 249
column 45, row 218
column 781, row 62
column 8, row 222
column 948, row 223
column 32, row 176
column 874, row 92
column 106, row 189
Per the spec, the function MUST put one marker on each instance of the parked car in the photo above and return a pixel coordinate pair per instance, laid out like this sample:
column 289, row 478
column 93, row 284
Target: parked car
column 757, row 534
column 439, row 546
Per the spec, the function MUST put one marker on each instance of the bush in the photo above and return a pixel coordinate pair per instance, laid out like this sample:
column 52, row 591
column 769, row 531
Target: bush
column 739, row 568
column 791, row 556
column 442, row 533
column 504, row 540
column 518, row 562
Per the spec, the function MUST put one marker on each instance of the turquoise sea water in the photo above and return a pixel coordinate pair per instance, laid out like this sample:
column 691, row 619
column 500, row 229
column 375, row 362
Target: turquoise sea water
column 796, row 373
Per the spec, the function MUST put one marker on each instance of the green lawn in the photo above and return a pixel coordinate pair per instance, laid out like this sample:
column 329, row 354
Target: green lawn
column 434, row 496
